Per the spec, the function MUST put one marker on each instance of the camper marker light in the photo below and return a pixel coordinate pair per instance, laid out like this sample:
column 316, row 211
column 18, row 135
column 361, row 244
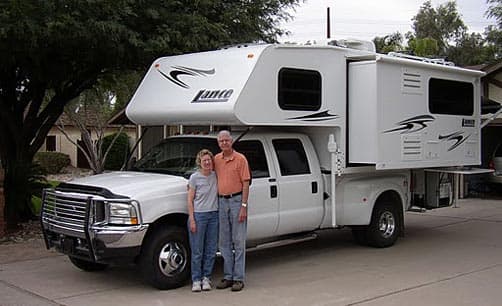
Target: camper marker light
column 250, row 55
column 157, row 65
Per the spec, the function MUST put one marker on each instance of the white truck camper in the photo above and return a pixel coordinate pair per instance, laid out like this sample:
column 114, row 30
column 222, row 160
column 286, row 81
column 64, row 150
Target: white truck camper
column 334, row 136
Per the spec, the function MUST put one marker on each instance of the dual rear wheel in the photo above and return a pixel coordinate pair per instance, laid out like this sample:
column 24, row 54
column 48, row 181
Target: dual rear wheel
column 384, row 228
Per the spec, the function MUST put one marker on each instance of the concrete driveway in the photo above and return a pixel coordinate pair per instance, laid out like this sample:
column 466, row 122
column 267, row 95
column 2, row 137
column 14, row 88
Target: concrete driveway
column 450, row 256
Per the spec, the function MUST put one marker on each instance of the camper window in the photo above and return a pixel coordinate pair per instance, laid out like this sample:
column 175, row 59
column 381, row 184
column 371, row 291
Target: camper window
column 299, row 89
column 449, row 97
column 291, row 156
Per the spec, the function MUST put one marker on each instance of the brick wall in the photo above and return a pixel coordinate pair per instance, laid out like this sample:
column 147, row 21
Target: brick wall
column 2, row 205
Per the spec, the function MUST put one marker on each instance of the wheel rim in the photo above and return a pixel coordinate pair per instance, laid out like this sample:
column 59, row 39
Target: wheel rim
column 387, row 224
column 172, row 258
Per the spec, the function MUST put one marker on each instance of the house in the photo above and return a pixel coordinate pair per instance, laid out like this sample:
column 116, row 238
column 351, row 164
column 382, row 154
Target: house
column 57, row 141
column 491, row 85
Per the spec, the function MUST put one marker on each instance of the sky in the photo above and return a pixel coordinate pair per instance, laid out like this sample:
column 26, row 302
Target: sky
column 365, row 19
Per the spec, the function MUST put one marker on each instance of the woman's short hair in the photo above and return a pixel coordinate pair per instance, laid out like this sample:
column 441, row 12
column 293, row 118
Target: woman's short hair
column 202, row 153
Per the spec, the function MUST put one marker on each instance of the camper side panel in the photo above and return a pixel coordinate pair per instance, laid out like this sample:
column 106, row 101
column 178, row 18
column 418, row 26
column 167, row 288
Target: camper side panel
column 426, row 117
column 295, row 86
column 407, row 115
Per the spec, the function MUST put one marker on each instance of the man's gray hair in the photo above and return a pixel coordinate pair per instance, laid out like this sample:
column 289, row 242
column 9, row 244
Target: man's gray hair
column 224, row 132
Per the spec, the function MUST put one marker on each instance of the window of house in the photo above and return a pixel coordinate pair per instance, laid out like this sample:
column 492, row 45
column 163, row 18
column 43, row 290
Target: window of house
column 291, row 156
column 255, row 154
column 50, row 143
column 449, row 97
column 299, row 89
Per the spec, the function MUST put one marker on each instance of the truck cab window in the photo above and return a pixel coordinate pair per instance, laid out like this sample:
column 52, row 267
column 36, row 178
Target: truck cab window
column 175, row 155
column 299, row 89
column 255, row 154
column 449, row 97
column 291, row 156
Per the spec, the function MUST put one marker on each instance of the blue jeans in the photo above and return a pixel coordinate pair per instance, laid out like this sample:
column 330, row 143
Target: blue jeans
column 204, row 244
column 232, row 239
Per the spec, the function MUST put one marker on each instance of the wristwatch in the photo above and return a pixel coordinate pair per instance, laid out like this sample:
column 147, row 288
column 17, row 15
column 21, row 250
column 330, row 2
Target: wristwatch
column 244, row 204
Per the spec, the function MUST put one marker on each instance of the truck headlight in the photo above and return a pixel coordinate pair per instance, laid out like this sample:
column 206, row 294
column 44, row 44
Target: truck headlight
column 122, row 213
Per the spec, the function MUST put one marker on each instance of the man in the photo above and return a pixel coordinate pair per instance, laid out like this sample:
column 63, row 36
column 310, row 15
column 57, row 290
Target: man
column 233, row 189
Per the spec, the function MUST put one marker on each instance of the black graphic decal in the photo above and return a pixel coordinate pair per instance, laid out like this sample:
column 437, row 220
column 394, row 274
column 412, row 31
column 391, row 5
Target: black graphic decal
column 322, row 116
column 411, row 125
column 457, row 137
column 178, row 71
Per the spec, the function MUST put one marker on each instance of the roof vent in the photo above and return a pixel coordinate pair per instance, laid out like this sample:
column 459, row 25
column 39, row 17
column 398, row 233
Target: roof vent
column 365, row 45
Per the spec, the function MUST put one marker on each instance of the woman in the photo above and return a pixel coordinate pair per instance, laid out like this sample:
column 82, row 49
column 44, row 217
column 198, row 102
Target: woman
column 203, row 220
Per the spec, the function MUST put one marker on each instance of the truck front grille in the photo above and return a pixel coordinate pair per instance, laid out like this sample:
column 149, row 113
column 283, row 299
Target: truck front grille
column 65, row 213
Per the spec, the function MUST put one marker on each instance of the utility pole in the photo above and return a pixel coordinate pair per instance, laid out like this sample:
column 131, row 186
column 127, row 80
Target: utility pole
column 328, row 24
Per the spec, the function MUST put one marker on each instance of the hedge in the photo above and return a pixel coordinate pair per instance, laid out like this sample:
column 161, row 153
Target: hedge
column 52, row 162
column 118, row 152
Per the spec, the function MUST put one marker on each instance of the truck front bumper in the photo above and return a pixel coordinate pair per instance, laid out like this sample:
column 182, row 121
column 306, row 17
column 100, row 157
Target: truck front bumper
column 103, row 244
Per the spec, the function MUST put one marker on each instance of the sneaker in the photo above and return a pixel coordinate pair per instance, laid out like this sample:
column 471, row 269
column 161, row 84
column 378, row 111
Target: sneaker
column 196, row 287
column 224, row 283
column 206, row 284
column 237, row 286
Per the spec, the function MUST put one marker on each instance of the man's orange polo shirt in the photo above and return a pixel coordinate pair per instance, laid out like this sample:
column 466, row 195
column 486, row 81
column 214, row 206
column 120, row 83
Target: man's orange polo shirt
column 231, row 172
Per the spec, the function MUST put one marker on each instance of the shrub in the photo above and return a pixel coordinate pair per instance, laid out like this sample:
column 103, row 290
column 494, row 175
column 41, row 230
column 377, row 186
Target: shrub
column 36, row 199
column 52, row 162
column 118, row 152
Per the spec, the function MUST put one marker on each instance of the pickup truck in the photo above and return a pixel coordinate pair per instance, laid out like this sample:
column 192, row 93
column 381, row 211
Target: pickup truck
column 140, row 215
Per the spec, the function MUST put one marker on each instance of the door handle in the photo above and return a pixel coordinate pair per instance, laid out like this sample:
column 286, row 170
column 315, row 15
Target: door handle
column 314, row 187
column 273, row 191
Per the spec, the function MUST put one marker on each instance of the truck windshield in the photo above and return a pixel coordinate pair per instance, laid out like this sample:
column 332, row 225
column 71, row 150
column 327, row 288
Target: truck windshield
column 175, row 155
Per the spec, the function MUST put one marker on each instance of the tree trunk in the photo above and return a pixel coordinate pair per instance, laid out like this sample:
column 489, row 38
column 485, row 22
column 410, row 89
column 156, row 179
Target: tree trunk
column 17, row 192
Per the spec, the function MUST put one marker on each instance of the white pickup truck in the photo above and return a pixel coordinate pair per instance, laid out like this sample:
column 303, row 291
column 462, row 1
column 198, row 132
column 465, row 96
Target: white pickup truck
column 141, row 214
column 338, row 137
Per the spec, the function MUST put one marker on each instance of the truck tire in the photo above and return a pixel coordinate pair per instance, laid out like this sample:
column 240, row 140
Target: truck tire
column 86, row 265
column 385, row 225
column 165, row 258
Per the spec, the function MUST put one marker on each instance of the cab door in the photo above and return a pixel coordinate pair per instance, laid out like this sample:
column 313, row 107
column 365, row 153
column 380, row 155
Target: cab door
column 263, row 203
column 299, row 182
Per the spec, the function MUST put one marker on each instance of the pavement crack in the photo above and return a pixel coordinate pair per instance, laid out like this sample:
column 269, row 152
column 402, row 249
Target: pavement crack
column 82, row 294
column 452, row 223
column 30, row 293
column 367, row 300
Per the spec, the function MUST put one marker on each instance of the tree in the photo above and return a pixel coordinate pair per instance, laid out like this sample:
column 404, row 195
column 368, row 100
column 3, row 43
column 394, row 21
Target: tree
column 493, row 40
column 123, row 86
column 492, row 33
column 389, row 43
column 495, row 11
column 442, row 24
column 90, row 113
column 471, row 49
column 53, row 50
column 425, row 47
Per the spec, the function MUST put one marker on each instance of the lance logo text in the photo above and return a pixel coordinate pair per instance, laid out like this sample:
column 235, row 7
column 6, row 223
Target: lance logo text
column 219, row 95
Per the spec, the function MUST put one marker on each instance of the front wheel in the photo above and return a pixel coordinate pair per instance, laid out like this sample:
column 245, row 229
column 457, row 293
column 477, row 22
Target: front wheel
column 165, row 259
column 385, row 226
column 86, row 265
